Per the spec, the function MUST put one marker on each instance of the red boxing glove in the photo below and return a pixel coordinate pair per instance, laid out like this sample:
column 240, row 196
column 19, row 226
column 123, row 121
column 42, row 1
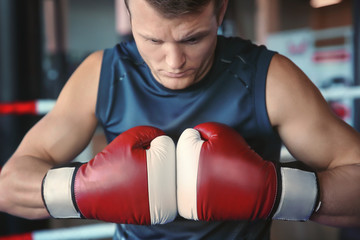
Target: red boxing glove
column 219, row 177
column 131, row 181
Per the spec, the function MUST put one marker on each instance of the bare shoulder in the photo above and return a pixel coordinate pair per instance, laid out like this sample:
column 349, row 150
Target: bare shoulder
column 82, row 86
column 290, row 91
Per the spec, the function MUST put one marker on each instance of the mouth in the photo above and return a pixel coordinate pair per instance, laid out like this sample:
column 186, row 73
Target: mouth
column 176, row 74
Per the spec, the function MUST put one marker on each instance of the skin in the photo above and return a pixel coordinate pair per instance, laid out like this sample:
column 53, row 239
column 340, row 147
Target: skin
column 179, row 54
column 315, row 136
column 56, row 139
column 181, row 51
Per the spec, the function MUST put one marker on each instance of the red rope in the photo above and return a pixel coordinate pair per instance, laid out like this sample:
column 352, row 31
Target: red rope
column 19, row 108
column 25, row 236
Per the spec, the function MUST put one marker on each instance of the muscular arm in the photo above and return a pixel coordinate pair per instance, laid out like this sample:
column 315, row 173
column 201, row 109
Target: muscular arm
column 57, row 138
column 315, row 136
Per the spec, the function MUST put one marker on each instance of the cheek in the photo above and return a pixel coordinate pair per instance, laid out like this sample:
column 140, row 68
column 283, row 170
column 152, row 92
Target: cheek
column 201, row 53
column 151, row 55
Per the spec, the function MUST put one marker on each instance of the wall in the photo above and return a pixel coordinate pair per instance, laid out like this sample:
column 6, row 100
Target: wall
column 91, row 26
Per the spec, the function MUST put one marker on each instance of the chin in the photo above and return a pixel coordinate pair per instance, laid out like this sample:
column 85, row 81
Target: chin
column 176, row 87
column 177, row 84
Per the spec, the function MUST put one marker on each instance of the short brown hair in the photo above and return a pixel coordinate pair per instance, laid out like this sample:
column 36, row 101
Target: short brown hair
column 175, row 8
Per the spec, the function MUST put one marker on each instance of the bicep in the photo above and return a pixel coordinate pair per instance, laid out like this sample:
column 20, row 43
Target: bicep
column 57, row 138
column 64, row 132
column 305, row 122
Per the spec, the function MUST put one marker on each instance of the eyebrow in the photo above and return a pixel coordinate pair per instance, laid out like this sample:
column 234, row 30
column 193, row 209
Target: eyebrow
column 199, row 34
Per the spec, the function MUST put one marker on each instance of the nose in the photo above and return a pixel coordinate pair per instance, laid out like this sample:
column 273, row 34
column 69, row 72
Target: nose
column 175, row 57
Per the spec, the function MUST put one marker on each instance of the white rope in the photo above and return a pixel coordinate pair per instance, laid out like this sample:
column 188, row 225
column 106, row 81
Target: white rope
column 94, row 231
column 44, row 106
column 341, row 93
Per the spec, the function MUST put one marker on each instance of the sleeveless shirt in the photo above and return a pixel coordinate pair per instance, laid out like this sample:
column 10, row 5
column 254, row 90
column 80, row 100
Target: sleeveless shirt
column 233, row 93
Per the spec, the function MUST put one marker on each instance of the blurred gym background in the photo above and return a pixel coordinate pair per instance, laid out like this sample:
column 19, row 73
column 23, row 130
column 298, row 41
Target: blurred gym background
column 43, row 41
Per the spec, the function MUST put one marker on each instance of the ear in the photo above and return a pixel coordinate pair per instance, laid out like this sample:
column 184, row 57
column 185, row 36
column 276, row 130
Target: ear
column 222, row 11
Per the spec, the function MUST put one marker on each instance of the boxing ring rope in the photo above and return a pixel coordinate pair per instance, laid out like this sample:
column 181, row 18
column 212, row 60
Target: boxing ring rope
column 106, row 230
column 93, row 231
column 43, row 106
column 37, row 107
column 341, row 93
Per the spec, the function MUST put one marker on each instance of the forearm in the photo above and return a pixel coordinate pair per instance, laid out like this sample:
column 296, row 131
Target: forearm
column 20, row 187
column 340, row 194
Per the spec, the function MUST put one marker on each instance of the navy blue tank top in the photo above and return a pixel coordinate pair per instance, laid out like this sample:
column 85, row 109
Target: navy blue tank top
column 233, row 93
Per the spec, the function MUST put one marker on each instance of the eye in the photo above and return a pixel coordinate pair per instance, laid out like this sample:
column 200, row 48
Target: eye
column 192, row 40
column 154, row 41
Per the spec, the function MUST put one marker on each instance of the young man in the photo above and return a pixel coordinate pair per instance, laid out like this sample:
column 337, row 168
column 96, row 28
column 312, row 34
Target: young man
column 177, row 74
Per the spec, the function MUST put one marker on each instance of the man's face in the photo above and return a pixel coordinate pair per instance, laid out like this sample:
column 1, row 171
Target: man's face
column 178, row 51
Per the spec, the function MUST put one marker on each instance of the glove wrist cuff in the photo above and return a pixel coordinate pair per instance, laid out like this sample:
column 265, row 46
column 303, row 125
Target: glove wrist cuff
column 57, row 192
column 299, row 194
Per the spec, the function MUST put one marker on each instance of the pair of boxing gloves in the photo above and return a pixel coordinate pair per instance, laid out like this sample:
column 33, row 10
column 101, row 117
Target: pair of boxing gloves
column 212, row 174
